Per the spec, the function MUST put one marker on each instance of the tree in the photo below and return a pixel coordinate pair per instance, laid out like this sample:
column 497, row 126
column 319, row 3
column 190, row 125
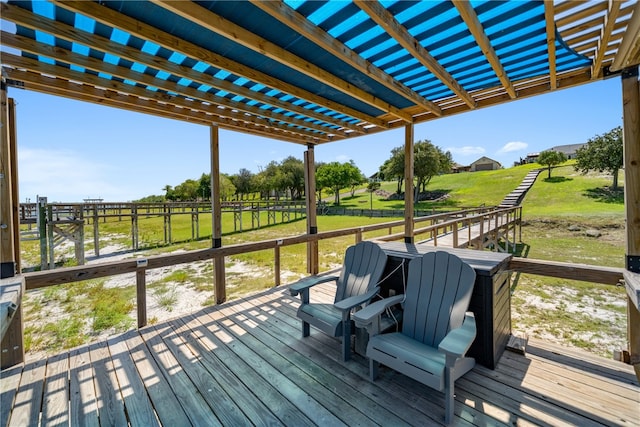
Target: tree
column 428, row 162
column 337, row 176
column 602, row 153
column 550, row 158
column 244, row 182
column 372, row 187
column 293, row 176
column 204, row 186
column 188, row 190
column 393, row 167
column 355, row 181
column 227, row 189
column 168, row 192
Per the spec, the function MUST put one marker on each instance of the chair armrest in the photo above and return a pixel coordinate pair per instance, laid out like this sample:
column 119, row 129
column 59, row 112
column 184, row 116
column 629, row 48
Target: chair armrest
column 348, row 303
column 367, row 315
column 456, row 343
column 308, row 282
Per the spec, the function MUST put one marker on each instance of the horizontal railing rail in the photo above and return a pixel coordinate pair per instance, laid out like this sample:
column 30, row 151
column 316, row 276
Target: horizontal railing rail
column 453, row 222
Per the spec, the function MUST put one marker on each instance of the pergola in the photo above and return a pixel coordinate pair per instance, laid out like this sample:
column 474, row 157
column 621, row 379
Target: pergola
column 312, row 72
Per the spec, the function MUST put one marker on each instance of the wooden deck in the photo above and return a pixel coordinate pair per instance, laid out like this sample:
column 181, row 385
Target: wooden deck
column 244, row 363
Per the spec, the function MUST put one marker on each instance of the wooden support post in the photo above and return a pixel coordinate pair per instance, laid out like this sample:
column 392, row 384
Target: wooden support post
column 631, row 138
column 7, row 242
column 216, row 217
column 141, row 293
column 15, row 202
column 310, row 194
column 408, row 183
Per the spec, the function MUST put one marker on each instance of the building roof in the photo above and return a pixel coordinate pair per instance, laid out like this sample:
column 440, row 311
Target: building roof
column 312, row 72
column 485, row 159
column 567, row 148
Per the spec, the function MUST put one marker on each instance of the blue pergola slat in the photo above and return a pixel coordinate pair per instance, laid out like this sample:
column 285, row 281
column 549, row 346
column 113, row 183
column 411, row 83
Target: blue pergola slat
column 517, row 30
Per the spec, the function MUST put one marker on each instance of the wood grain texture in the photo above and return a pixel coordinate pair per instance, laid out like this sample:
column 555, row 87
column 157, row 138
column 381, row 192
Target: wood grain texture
column 245, row 362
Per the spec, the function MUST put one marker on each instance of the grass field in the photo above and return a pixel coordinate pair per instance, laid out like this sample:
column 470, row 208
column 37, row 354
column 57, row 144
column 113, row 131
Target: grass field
column 557, row 213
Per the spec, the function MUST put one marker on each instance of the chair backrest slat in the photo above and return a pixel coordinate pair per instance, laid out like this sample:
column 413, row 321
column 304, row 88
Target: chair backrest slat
column 363, row 266
column 439, row 290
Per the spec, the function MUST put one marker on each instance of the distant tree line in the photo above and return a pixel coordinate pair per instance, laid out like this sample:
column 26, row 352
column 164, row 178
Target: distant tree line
column 285, row 179
column 276, row 180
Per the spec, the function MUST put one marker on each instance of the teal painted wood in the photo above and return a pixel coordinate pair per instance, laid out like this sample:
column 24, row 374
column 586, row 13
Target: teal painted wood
column 437, row 330
column 358, row 283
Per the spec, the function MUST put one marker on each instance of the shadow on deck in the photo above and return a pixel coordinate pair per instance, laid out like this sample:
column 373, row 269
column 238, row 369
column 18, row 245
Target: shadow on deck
column 244, row 363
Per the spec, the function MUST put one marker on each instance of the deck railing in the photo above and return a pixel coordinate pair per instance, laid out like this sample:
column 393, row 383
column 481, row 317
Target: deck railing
column 455, row 224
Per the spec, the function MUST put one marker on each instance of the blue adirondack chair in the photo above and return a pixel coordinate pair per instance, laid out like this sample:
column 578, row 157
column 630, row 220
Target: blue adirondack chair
column 437, row 330
column 357, row 284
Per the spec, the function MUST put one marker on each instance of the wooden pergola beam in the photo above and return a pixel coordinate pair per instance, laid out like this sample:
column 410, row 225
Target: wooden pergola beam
column 82, row 92
column 603, row 41
column 474, row 25
column 69, row 33
column 216, row 23
column 290, row 17
column 629, row 50
column 216, row 114
column 386, row 20
column 139, row 29
column 550, row 28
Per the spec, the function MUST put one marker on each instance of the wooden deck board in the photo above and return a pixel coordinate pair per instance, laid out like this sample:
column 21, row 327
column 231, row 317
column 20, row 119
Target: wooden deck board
column 246, row 363
column 55, row 410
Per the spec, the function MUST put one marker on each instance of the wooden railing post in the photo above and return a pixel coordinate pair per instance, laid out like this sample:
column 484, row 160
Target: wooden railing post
column 96, row 232
column 141, row 292
column 455, row 234
column 276, row 264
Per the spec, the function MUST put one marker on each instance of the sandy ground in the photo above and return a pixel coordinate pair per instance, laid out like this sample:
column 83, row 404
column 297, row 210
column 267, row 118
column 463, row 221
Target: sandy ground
column 188, row 298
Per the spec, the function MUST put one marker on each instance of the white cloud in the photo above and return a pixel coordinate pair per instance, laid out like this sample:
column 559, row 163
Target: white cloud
column 63, row 175
column 343, row 158
column 466, row 150
column 510, row 147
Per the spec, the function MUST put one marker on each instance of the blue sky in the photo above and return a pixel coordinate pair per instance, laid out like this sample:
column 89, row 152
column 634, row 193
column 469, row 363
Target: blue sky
column 71, row 150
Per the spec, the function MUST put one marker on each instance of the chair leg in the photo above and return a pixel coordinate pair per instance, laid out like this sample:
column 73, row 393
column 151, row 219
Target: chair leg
column 305, row 329
column 373, row 369
column 449, row 400
column 346, row 341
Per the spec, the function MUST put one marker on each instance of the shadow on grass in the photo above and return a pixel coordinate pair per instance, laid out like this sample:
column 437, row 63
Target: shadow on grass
column 606, row 195
column 557, row 179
